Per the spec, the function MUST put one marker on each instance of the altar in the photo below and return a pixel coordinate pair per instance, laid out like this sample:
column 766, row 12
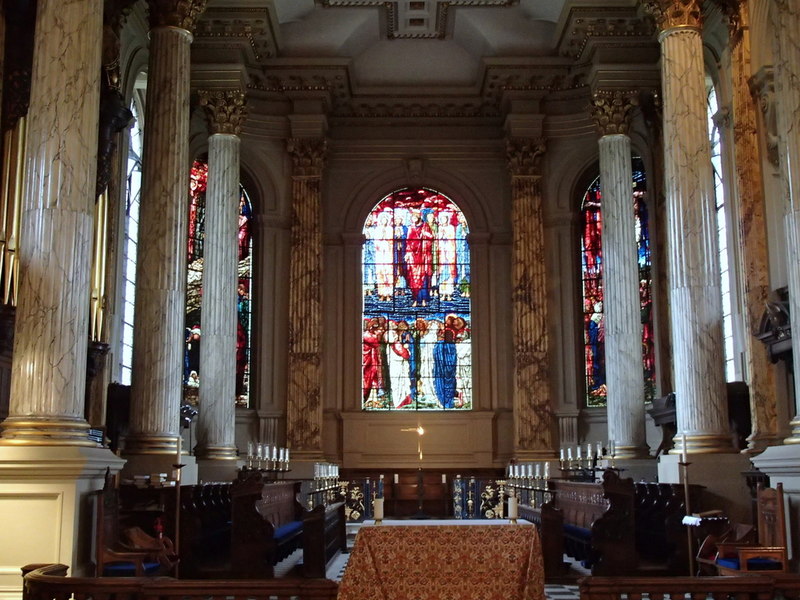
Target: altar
column 445, row 560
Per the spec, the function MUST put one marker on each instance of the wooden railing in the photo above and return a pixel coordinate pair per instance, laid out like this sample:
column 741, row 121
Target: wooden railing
column 746, row 587
column 49, row 582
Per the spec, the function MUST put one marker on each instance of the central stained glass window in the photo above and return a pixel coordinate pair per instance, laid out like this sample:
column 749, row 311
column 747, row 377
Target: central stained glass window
column 416, row 350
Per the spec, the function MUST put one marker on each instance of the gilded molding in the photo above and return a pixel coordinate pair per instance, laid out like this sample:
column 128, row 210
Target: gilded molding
column 182, row 14
column 226, row 110
column 670, row 14
column 611, row 111
column 524, row 156
column 308, row 156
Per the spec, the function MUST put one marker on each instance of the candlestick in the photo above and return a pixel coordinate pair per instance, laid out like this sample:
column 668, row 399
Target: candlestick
column 377, row 510
column 683, row 450
column 178, row 453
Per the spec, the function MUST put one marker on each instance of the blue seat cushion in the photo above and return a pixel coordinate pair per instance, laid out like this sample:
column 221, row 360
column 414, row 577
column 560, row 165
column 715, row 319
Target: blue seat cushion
column 288, row 530
column 128, row 569
column 753, row 564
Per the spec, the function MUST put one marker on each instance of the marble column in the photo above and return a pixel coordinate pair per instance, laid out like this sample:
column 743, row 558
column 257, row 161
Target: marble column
column 226, row 112
column 611, row 113
column 693, row 263
column 304, row 402
column 52, row 318
column 752, row 236
column 533, row 413
column 787, row 91
column 161, row 262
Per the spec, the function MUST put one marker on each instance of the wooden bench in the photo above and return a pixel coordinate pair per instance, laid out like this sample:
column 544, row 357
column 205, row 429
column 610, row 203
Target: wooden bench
column 267, row 525
column 324, row 536
column 205, row 530
column 125, row 551
column 49, row 582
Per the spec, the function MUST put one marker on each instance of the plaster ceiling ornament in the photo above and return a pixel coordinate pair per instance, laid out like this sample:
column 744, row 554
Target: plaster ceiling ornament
column 226, row 110
column 182, row 14
column 675, row 13
column 585, row 25
column 420, row 19
column 611, row 111
column 251, row 30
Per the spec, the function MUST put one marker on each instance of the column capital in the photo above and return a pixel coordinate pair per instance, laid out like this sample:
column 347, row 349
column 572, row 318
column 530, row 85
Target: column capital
column 670, row 14
column 226, row 110
column 611, row 110
column 308, row 156
column 524, row 156
column 182, row 14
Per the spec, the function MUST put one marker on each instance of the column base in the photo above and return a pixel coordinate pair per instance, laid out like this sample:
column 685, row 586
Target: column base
column 46, row 431
column 210, row 469
column 631, row 452
column 721, row 474
column 216, row 452
column 44, row 505
column 794, row 438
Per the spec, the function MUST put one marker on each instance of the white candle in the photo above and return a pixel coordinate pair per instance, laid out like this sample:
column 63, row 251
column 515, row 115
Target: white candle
column 444, row 478
column 377, row 506
column 578, row 450
column 287, row 455
column 538, row 472
column 512, row 507
column 561, row 454
column 599, row 450
column 249, row 449
column 569, row 453
column 396, row 478
column 178, row 453
column 589, row 450
column 547, row 470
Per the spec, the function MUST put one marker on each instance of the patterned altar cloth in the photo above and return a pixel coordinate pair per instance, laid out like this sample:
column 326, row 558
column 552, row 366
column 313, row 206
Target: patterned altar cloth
column 446, row 562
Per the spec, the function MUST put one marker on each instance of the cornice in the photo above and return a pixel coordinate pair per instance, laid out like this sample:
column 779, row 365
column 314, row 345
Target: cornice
column 251, row 30
column 588, row 25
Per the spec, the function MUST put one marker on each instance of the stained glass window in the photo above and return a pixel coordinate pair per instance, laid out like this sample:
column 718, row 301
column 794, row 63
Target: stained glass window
column 194, row 250
column 592, row 278
column 416, row 349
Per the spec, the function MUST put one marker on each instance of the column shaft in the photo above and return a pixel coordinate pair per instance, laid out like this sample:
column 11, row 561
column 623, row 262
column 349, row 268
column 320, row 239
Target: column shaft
column 49, row 368
column 161, row 261
column 695, row 296
column 787, row 88
column 533, row 413
column 215, row 432
column 621, row 307
column 304, row 404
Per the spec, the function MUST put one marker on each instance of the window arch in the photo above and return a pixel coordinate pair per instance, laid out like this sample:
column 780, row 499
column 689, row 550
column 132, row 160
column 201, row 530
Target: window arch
column 592, row 286
column 194, row 282
column 416, row 348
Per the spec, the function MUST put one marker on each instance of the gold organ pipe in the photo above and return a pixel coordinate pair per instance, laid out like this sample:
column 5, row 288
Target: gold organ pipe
column 10, row 209
column 99, row 267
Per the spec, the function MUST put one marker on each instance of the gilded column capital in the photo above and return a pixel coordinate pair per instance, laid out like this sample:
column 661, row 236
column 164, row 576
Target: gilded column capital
column 670, row 14
column 226, row 110
column 611, row 111
column 308, row 156
column 182, row 14
column 524, row 156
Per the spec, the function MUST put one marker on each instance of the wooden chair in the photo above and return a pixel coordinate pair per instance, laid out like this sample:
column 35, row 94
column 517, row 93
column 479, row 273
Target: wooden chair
column 130, row 552
column 769, row 554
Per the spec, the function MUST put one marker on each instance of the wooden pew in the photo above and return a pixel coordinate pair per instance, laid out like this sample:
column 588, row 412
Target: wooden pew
column 267, row 525
column 205, row 530
column 49, row 582
column 324, row 535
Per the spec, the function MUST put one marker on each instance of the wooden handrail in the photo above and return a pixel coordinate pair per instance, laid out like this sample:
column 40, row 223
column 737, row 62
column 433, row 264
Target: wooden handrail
column 746, row 587
column 48, row 582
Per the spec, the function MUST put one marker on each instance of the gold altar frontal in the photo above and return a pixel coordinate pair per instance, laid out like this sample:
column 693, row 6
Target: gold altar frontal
column 444, row 560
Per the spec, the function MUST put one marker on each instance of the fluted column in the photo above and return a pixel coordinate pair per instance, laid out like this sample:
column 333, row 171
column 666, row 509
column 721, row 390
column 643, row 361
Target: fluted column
column 217, row 417
column 161, row 260
column 621, row 305
column 50, row 338
column 694, row 277
column 304, row 403
column 752, row 235
column 533, row 413
column 787, row 90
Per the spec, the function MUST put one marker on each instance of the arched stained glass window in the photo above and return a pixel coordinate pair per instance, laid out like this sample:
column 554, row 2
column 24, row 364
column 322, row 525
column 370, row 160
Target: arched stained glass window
column 416, row 349
column 592, row 280
column 194, row 282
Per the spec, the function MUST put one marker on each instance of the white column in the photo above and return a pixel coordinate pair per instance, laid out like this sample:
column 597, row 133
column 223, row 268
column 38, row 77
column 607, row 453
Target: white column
column 693, row 262
column 217, row 415
column 161, row 262
column 621, row 305
column 787, row 91
column 51, row 330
